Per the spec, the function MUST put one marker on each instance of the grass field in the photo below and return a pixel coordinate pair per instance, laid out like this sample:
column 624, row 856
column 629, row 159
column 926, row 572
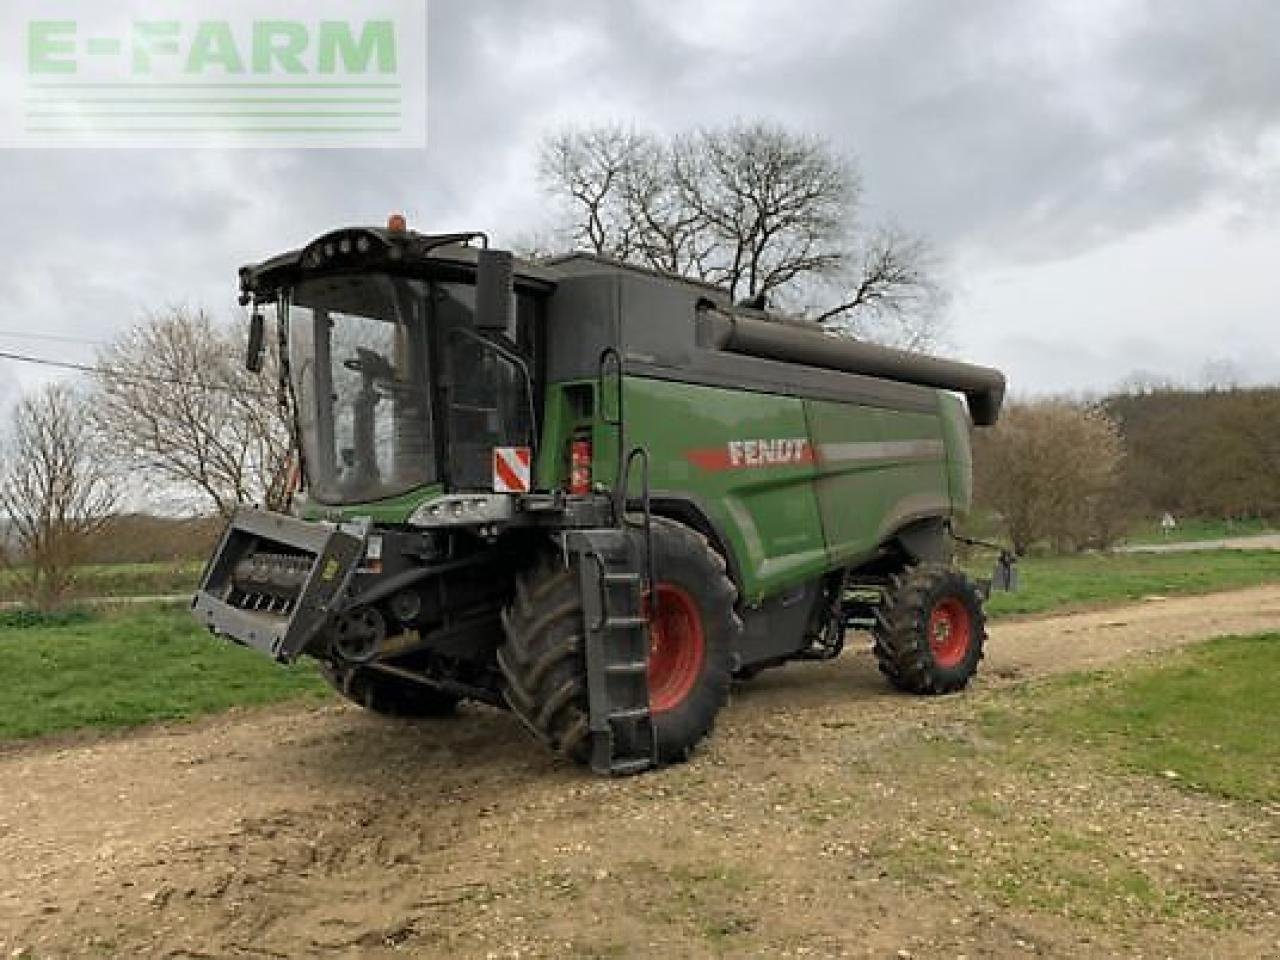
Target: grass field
column 1203, row 717
column 122, row 580
column 1118, row 800
column 1195, row 528
column 139, row 667
column 1057, row 584
column 985, row 525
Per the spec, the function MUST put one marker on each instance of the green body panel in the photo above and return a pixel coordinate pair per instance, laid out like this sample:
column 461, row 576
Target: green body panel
column 956, row 430
column 837, row 481
column 391, row 511
column 766, row 511
column 878, row 470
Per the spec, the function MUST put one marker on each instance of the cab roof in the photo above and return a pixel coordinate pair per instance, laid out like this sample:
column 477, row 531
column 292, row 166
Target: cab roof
column 374, row 248
column 411, row 253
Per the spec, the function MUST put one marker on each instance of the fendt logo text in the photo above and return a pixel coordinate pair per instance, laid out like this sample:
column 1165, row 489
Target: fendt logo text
column 739, row 454
column 235, row 73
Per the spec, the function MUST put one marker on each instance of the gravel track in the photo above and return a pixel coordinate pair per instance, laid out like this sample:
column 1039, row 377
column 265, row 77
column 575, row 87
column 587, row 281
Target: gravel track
column 326, row 832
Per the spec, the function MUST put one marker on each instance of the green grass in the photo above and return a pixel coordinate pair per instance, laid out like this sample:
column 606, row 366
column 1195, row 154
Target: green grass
column 1054, row 584
column 1199, row 528
column 122, row 580
column 1046, row 869
column 135, row 668
column 1205, row 717
column 1065, row 786
column 23, row 618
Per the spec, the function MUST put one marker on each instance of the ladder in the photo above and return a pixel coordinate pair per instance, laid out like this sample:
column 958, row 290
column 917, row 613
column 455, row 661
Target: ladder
column 617, row 649
column 615, row 567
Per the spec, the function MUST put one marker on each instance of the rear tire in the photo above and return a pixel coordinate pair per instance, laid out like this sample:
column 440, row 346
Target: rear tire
column 930, row 633
column 693, row 636
column 388, row 695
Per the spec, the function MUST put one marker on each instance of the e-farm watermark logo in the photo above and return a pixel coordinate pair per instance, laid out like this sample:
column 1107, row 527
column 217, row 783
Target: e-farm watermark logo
column 219, row 73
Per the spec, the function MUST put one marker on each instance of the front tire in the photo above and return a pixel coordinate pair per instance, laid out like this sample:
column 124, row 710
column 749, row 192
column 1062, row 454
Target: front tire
column 930, row 633
column 693, row 633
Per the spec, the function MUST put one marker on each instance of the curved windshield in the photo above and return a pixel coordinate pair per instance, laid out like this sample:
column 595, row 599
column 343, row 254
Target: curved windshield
column 361, row 373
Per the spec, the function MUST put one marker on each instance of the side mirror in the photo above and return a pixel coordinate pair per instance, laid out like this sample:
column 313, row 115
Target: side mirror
column 495, row 290
column 257, row 339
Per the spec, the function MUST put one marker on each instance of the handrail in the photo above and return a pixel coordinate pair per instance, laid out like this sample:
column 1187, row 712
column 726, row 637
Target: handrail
column 646, row 509
column 609, row 357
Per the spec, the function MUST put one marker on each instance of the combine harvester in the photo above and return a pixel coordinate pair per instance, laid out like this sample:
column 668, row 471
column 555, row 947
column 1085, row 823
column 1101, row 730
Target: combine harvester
column 591, row 493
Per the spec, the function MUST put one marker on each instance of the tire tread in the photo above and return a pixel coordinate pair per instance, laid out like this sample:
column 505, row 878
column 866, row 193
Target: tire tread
column 901, row 645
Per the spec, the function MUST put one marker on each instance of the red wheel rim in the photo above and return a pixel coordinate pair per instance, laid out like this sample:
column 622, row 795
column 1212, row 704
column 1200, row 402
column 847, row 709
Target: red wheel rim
column 677, row 647
column 950, row 629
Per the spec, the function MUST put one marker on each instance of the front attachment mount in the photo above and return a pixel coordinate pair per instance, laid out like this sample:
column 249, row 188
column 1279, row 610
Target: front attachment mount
column 275, row 581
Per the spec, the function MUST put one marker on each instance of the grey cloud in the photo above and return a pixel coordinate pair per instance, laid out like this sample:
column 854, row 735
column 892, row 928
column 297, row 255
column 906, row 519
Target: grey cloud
column 1057, row 364
column 1018, row 129
column 1014, row 134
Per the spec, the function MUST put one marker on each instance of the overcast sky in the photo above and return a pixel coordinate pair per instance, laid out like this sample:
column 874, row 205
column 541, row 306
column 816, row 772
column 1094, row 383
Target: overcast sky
column 1102, row 178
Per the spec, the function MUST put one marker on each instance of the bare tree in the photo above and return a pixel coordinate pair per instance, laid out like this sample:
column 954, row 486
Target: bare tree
column 55, row 491
column 764, row 212
column 1211, row 453
column 591, row 168
column 180, row 407
column 1221, row 373
column 1141, row 382
column 1052, row 472
column 534, row 245
column 891, row 294
column 772, row 204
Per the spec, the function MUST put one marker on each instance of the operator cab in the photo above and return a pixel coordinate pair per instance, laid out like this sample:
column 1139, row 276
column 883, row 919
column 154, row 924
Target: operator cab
column 408, row 358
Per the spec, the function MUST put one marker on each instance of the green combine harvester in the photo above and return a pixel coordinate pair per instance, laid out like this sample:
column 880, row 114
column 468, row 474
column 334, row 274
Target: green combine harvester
column 591, row 493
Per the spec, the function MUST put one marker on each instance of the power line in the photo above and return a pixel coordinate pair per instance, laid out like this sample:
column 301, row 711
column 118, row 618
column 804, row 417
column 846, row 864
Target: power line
column 57, row 338
column 123, row 377
column 60, row 364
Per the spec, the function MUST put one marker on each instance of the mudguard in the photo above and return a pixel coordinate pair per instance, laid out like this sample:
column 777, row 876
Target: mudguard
column 279, row 626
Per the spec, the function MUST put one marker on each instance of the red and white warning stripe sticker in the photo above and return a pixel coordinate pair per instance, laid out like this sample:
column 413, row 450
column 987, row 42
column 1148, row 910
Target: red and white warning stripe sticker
column 512, row 468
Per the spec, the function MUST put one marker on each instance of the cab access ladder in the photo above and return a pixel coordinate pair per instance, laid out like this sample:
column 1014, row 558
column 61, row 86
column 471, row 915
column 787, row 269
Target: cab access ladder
column 616, row 640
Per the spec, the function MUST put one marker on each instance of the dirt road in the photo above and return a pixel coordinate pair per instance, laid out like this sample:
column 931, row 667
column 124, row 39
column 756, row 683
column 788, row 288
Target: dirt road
column 329, row 833
column 1258, row 541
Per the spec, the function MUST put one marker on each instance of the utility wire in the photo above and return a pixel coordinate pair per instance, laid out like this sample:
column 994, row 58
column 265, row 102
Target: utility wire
column 58, row 338
column 123, row 377
column 60, row 364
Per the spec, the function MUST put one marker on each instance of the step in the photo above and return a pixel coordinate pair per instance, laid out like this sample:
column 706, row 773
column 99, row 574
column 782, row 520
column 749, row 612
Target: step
column 623, row 768
column 631, row 667
column 632, row 713
column 632, row 577
column 624, row 623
